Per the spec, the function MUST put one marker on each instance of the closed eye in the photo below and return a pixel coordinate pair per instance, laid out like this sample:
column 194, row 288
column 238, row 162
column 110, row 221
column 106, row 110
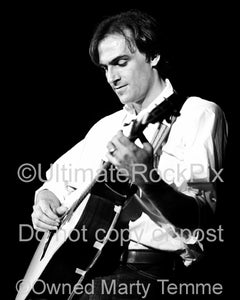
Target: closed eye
column 122, row 62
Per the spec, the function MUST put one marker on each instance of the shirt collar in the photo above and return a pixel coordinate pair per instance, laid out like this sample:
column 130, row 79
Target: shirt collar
column 165, row 93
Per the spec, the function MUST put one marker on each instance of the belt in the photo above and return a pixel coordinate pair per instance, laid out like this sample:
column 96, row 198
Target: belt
column 147, row 257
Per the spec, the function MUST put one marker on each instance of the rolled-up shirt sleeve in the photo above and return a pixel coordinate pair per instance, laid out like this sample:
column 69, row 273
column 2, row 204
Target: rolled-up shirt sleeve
column 61, row 171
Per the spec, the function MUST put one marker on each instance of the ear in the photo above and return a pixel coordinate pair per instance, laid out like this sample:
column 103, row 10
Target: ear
column 155, row 60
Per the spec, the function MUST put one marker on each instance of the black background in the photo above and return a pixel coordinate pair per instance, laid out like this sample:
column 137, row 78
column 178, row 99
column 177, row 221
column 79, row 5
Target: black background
column 54, row 94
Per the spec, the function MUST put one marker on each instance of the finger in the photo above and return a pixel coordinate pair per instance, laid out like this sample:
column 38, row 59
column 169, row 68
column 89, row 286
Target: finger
column 48, row 210
column 41, row 226
column 38, row 214
column 148, row 148
column 121, row 138
column 123, row 144
column 116, row 138
column 113, row 160
column 61, row 210
column 111, row 147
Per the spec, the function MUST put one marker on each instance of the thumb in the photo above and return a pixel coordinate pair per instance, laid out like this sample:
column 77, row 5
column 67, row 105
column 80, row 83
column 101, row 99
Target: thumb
column 148, row 148
column 61, row 210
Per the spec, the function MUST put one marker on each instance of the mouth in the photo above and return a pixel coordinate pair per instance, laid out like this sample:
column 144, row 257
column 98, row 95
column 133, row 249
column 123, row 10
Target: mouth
column 119, row 88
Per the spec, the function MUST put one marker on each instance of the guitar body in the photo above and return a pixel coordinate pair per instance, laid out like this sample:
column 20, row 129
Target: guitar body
column 75, row 247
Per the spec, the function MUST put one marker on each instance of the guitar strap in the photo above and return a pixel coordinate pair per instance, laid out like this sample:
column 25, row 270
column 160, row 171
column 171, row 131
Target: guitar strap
column 160, row 139
column 161, row 134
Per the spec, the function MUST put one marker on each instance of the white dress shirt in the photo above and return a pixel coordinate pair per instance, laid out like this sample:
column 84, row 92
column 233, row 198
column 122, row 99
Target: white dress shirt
column 189, row 162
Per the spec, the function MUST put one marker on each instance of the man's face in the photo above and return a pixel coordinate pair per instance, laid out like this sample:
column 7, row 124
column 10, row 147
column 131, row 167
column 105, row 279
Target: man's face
column 128, row 73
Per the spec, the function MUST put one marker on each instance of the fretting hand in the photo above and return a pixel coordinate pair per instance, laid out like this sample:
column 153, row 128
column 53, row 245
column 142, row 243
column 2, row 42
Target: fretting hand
column 132, row 160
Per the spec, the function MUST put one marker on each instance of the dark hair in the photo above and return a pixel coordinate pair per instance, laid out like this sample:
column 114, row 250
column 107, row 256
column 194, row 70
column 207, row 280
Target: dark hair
column 144, row 29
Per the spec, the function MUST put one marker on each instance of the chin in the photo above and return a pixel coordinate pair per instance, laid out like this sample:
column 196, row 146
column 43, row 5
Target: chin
column 125, row 100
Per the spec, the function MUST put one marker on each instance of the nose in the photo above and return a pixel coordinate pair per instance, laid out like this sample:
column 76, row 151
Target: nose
column 112, row 75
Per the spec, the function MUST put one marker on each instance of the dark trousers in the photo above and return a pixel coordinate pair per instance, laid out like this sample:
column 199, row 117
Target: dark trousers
column 131, row 281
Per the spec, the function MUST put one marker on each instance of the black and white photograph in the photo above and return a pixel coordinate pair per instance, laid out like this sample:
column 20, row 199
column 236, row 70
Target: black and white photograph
column 120, row 141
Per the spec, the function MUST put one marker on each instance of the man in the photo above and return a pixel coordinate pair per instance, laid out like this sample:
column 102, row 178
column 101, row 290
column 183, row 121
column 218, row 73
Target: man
column 173, row 166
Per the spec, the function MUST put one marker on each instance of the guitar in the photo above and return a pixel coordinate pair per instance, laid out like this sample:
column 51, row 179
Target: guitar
column 97, row 205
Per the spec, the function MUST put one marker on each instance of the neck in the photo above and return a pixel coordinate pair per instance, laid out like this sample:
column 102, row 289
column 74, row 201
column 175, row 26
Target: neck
column 156, row 88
